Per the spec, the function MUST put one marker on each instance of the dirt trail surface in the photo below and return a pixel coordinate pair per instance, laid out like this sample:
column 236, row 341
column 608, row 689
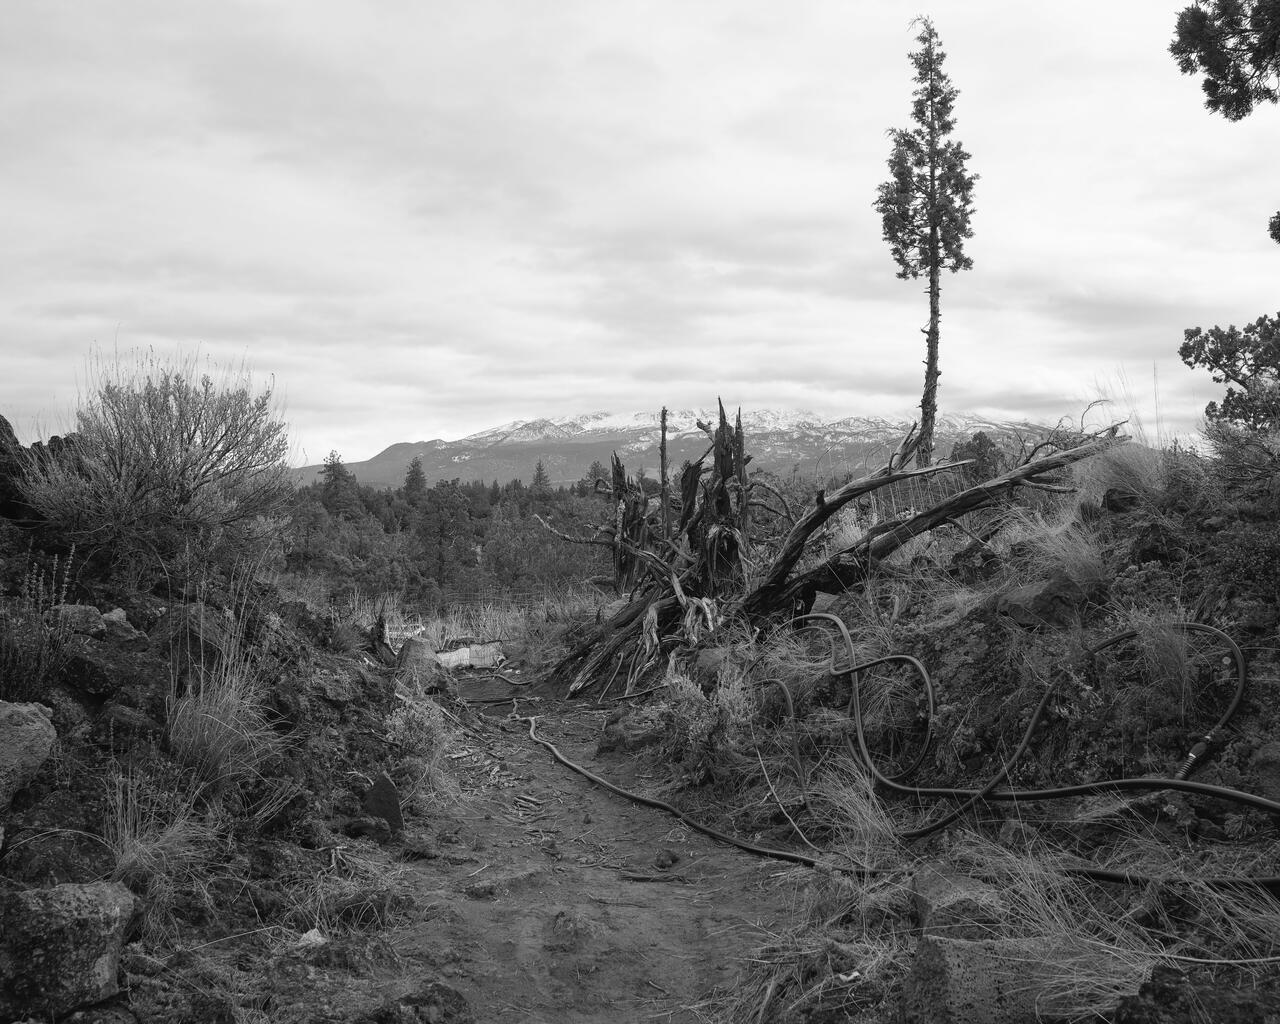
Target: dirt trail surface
column 547, row 898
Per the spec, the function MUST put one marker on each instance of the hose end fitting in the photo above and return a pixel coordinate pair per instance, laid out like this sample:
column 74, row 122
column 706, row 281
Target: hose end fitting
column 1194, row 755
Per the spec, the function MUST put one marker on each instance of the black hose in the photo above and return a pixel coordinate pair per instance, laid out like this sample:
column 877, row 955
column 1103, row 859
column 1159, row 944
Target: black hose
column 989, row 792
column 986, row 792
column 648, row 801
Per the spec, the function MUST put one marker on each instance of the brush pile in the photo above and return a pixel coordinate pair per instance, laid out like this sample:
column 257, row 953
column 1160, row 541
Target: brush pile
column 739, row 556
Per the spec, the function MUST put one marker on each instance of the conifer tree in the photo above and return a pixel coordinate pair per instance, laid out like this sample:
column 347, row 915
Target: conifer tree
column 541, row 481
column 926, row 204
column 415, row 483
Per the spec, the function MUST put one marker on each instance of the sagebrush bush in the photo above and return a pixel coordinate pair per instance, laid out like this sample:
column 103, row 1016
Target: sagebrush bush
column 164, row 463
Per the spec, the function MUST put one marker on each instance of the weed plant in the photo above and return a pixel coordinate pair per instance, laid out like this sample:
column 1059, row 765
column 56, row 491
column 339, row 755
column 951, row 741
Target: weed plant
column 32, row 651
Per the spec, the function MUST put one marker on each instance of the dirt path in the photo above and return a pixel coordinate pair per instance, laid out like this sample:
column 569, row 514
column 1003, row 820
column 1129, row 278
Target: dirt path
column 552, row 900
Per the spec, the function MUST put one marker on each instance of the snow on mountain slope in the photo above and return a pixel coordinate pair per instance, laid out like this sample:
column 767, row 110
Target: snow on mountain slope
column 779, row 440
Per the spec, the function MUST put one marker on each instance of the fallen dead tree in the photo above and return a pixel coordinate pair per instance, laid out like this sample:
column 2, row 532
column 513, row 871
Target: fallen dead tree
column 712, row 571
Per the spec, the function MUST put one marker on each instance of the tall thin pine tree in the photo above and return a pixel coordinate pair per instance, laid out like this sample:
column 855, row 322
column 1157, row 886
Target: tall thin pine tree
column 926, row 204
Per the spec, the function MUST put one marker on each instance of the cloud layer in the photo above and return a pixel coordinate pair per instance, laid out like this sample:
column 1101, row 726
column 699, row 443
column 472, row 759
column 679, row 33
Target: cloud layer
column 424, row 219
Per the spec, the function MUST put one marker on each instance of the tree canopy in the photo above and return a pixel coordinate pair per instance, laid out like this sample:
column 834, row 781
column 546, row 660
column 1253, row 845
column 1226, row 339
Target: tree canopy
column 1235, row 44
column 1246, row 360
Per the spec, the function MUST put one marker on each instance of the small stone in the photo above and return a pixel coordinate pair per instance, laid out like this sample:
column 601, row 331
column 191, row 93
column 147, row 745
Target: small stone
column 376, row 829
column 119, row 629
column 480, row 891
column 417, row 846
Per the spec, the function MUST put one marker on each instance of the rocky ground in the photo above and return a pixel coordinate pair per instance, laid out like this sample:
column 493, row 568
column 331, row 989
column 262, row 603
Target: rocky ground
column 521, row 893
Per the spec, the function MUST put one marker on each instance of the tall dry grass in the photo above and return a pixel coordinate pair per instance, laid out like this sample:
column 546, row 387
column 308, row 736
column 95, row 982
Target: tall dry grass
column 220, row 724
column 162, row 838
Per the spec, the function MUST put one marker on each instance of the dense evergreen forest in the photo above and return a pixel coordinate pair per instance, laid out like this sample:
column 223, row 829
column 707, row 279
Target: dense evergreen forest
column 448, row 541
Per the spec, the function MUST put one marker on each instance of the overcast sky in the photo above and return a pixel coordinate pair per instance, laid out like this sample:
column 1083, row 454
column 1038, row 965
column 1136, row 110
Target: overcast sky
column 425, row 218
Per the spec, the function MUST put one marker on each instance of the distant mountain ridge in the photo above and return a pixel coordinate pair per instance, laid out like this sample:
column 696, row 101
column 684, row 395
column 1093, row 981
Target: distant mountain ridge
column 781, row 441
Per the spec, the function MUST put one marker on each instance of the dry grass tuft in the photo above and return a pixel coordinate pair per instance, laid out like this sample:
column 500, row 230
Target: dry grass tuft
column 221, row 726
column 359, row 894
column 162, row 843
column 861, row 829
column 421, row 735
column 1132, row 468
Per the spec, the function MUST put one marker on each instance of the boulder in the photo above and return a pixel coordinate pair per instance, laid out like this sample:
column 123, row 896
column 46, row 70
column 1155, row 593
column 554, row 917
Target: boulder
column 84, row 619
column 996, row 981
column 418, row 669
column 1052, row 603
column 60, row 947
column 954, row 905
column 26, row 739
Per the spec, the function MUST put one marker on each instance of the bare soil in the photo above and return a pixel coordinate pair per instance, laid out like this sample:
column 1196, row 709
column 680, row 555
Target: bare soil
column 552, row 899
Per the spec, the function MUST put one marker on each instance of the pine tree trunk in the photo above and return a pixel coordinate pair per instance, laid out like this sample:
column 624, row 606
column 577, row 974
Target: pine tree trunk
column 929, row 401
column 666, row 486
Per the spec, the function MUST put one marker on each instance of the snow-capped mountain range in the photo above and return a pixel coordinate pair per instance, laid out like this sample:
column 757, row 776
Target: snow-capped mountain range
column 782, row 441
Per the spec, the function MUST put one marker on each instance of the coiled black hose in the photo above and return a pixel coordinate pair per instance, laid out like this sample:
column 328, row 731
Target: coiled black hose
column 970, row 797
column 989, row 791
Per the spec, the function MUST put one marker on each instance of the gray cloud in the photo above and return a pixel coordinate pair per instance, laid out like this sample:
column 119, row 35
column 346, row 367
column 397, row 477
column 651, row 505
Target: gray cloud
column 425, row 219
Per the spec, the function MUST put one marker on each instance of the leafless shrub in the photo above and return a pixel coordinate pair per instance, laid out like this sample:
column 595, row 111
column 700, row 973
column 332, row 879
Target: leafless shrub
column 164, row 461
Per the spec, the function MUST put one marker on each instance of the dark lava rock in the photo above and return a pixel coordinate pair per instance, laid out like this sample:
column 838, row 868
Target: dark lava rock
column 119, row 727
column 60, row 947
column 433, row 1003
column 51, row 842
column 1051, row 603
column 1170, row 997
column 376, row 829
column 1119, row 499
column 100, row 669
column 383, row 801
